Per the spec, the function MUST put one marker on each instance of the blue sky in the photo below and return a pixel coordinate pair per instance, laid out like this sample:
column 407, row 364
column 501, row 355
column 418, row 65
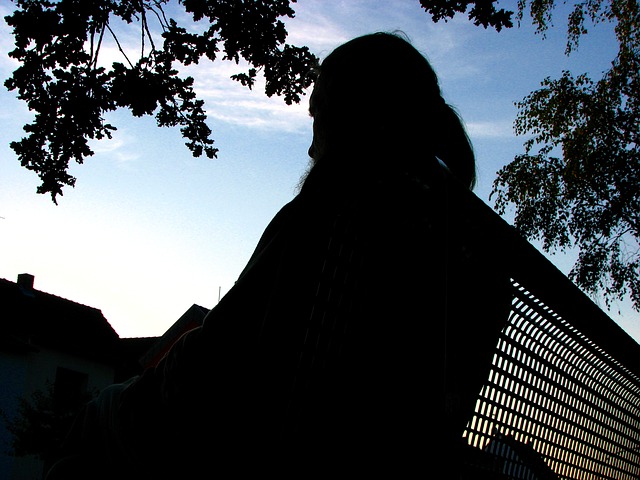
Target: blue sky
column 149, row 230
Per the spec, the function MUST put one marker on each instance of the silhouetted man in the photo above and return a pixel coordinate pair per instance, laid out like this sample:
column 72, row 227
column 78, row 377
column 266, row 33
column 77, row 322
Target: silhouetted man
column 359, row 334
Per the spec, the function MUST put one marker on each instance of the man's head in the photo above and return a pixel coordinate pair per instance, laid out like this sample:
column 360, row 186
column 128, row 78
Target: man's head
column 376, row 96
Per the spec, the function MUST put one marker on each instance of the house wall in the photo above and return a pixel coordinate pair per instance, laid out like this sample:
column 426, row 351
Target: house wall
column 24, row 373
column 13, row 374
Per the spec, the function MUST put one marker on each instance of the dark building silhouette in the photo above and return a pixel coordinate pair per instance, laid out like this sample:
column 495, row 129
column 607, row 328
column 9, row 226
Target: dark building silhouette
column 49, row 341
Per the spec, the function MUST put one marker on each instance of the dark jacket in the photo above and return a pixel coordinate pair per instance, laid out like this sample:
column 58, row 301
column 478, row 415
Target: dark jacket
column 355, row 341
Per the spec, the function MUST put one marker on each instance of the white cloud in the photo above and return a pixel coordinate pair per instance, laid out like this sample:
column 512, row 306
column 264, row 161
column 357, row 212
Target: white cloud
column 119, row 148
column 315, row 28
column 7, row 64
column 107, row 145
column 496, row 129
column 228, row 101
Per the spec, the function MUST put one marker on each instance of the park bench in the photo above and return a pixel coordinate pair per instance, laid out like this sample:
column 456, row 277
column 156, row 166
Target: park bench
column 562, row 399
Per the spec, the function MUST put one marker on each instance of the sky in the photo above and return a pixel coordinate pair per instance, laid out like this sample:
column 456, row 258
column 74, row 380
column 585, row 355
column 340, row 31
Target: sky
column 149, row 230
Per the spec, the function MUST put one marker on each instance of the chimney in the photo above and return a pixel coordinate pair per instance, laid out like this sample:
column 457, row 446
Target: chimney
column 25, row 281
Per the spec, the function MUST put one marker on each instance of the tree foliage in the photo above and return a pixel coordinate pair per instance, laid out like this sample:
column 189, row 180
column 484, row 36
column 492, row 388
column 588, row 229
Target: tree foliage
column 58, row 43
column 577, row 184
column 481, row 12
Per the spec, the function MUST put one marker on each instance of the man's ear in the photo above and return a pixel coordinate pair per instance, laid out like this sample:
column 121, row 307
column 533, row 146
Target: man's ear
column 312, row 149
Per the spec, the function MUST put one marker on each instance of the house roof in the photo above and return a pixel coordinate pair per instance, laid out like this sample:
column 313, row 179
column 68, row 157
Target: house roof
column 129, row 351
column 192, row 318
column 32, row 319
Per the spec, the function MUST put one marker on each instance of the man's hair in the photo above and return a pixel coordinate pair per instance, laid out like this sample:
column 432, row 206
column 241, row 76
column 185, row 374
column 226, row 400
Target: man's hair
column 377, row 95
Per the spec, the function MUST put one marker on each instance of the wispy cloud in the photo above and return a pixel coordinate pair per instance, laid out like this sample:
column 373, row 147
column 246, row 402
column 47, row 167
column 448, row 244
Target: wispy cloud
column 315, row 27
column 497, row 129
column 7, row 64
column 324, row 25
column 228, row 101
column 119, row 149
